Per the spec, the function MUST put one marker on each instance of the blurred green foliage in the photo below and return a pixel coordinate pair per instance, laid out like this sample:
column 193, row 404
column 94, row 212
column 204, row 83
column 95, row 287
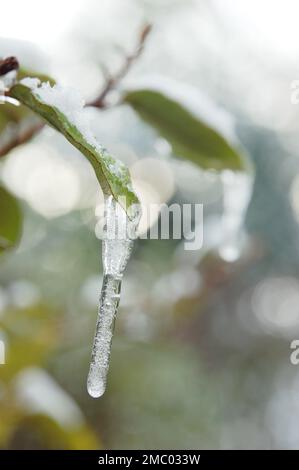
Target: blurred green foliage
column 191, row 136
column 10, row 220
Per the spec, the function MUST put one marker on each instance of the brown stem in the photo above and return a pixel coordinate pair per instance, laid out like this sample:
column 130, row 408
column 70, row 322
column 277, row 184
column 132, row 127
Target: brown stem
column 21, row 138
column 8, row 64
column 113, row 81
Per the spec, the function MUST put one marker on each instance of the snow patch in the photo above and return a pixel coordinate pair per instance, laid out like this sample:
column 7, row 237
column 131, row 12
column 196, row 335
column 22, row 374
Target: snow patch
column 68, row 101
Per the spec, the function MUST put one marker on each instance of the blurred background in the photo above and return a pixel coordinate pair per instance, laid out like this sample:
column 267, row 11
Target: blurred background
column 201, row 351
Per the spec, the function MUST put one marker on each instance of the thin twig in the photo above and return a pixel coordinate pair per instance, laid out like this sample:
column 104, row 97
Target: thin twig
column 113, row 81
column 21, row 138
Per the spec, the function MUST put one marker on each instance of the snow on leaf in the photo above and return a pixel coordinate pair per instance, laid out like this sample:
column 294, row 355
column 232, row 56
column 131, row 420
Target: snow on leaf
column 62, row 108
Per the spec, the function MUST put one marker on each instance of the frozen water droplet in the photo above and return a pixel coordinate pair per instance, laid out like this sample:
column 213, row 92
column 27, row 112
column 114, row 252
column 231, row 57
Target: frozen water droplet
column 237, row 190
column 117, row 247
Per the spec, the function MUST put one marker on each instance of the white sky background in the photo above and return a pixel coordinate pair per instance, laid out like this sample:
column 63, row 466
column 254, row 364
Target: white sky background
column 274, row 20
column 248, row 43
column 272, row 24
column 38, row 22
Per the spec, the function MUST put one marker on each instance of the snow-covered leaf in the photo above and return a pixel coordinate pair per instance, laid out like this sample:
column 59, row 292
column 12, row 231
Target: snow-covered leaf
column 62, row 108
column 25, row 72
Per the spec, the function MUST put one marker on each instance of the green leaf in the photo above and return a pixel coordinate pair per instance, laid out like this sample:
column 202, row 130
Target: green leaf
column 10, row 220
column 192, row 136
column 113, row 176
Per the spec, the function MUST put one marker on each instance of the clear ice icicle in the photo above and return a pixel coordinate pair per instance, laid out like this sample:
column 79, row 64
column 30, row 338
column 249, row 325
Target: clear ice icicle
column 118, row 237
column 237, row 190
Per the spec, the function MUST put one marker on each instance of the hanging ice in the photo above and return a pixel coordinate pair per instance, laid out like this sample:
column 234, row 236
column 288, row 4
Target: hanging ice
column 237, row 190
column 119, row 230
column 118, row 237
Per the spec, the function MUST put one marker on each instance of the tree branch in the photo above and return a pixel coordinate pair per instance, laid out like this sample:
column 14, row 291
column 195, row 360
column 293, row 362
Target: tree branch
column 21, row 138
column 113, row 81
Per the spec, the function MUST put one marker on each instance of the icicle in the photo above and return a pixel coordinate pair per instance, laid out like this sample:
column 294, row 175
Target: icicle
column 117, row 246
column 237, row 190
